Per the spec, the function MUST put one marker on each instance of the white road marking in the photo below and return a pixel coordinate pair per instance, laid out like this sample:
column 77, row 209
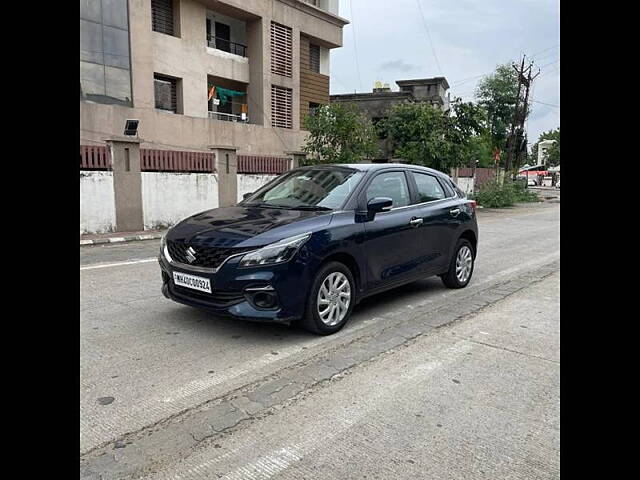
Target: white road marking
column 119, row 264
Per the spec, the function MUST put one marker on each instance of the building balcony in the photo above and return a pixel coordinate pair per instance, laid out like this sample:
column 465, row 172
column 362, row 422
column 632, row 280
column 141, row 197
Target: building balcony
column 225, row 45
column 227, row 100
column 226, row 34
column 229, row 117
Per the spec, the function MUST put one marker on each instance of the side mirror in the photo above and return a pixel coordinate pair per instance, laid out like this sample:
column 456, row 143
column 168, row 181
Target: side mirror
column 247, row 195
column 379, row 204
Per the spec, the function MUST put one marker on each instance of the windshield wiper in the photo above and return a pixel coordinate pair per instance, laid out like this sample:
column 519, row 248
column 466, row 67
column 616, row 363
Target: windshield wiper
column 311, row 208
column 267, row 205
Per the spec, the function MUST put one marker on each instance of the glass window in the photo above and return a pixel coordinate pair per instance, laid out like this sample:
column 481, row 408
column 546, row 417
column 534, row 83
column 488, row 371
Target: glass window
column 116, row 47
column 92, row 78
column 429, row 188
column 322, row 188
column 114, row 13
column 118, row 83
column 392, row 185
column 104, row 43
column 91, row 42
column 448, row 189
column 91, row 10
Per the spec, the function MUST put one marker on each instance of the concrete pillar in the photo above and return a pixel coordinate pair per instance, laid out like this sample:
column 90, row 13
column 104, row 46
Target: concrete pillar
column 296, row 158
column 127, row 183
column 226, row 162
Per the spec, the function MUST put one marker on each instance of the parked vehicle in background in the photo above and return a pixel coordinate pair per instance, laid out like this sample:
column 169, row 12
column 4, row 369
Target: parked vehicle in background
column 312, row 243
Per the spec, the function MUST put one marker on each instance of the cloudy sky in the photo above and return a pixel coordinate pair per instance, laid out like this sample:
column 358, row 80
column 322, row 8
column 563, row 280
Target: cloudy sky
column 389, row 40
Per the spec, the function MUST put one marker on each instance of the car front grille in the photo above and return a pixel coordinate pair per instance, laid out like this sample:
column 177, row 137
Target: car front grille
column 207, row 257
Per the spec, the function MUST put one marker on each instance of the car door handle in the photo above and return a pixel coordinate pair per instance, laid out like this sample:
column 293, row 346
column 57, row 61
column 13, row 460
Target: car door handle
column 454, row 212
column 414, row 222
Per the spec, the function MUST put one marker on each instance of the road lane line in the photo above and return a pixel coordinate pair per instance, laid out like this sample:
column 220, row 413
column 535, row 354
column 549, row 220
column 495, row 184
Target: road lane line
column 119, row 264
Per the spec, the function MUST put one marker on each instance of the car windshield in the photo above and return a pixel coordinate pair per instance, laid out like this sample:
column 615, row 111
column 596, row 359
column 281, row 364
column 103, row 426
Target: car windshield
column 312, row 189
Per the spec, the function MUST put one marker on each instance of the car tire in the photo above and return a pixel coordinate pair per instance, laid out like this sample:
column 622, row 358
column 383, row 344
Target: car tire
column 312, row 320
column 453, row 278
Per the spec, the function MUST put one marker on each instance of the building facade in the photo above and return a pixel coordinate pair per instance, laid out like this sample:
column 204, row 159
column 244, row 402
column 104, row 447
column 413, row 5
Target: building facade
column 377, row 104
column 197, row 73
column 543, row 147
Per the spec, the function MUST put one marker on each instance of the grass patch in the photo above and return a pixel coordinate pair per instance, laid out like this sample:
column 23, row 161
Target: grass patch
column 494, row 195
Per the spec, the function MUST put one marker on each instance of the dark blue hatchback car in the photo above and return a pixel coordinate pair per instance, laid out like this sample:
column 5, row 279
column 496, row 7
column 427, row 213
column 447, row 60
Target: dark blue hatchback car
column 315, row 241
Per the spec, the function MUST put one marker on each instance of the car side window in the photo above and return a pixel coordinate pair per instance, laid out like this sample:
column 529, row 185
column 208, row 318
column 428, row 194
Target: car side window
column 392, row 185
column 429, row 189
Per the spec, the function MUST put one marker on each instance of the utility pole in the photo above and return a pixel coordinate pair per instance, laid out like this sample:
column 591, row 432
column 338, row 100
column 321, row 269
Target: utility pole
column 511, row 138
column 516, row 135
column 523, row 118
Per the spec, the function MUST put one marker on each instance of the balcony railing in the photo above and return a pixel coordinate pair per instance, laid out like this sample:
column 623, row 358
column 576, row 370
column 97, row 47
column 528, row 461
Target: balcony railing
column 226, row 45
column 228, row 117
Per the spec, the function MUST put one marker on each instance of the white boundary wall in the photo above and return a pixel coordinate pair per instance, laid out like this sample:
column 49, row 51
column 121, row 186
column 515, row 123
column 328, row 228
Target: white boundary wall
column 249, row 182
column 466, row 184
column 97, row 202
column 168, row 198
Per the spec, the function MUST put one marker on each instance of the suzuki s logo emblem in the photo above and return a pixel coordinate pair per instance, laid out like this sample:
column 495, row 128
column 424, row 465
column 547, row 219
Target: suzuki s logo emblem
column 191, row 255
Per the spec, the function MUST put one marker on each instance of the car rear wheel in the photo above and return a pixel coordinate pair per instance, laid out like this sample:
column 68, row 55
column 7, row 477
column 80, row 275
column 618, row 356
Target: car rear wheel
column 461, row 266
column 331, row 299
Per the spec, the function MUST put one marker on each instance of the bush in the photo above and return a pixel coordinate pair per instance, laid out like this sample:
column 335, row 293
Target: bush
column 494, row 195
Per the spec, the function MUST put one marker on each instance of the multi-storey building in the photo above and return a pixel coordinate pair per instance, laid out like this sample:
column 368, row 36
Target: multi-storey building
column 197, row 73
column 376, row 104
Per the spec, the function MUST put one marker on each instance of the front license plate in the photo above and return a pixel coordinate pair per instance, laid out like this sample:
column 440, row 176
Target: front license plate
column 192, row 282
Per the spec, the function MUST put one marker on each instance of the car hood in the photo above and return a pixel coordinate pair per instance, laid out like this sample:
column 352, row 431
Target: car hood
column 243, row 226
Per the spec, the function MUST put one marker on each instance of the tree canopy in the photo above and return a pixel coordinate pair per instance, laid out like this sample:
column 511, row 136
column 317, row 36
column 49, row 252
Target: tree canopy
column 425, row 135
column 497, row 94
column 339, row 133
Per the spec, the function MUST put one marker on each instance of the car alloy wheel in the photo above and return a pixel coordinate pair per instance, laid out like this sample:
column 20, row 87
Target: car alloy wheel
column 334, row 298
column 464, row 262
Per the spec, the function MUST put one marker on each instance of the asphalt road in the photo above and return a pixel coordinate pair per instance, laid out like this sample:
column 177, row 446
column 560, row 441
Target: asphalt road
column 145, row 359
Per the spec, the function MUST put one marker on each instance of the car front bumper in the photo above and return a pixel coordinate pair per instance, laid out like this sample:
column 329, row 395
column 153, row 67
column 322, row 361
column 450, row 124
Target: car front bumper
column 234, row 289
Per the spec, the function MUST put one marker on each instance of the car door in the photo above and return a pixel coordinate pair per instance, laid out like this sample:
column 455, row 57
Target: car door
column 390, row 247
column 438, row 207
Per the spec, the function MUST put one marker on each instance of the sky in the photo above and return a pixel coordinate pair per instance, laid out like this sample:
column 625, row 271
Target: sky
column 388, row 40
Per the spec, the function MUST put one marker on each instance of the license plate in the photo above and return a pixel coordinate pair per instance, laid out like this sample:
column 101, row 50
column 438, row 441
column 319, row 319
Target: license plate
column 192, row 282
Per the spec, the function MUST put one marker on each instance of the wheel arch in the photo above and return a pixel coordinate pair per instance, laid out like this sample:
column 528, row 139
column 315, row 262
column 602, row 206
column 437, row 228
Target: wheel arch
column 472, row 238
column 350, row 262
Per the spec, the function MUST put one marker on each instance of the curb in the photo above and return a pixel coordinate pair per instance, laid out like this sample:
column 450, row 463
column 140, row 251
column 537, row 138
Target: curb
column 130, row 238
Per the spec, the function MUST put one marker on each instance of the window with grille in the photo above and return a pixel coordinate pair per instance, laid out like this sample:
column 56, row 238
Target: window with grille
column 162, row 16
column 281, row 107
column 165, row 89
column 281, row 50
column 314, row 58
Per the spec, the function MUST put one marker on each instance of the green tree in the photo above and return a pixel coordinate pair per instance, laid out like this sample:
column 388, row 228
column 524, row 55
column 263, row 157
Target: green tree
column 339, row 133
column 497, row 94
column 425, row 135
column 468, row 132
column 417, row 132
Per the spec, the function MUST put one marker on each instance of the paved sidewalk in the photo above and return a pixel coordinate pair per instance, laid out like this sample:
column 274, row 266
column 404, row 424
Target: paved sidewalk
column 119, row 237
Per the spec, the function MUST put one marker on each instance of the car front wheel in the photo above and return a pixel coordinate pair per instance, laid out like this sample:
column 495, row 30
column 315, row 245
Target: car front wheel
column 331, row 299
column 461, row 266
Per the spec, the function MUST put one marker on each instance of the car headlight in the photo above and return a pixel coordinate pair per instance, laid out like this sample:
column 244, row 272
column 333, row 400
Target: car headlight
column 279, row 252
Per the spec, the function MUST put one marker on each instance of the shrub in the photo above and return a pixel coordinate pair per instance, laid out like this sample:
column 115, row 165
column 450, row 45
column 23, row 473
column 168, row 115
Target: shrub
column 494, row 195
